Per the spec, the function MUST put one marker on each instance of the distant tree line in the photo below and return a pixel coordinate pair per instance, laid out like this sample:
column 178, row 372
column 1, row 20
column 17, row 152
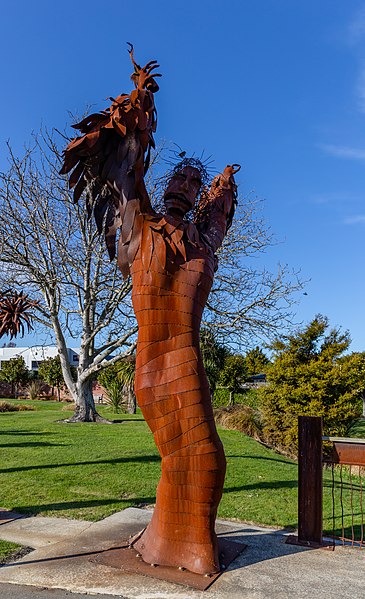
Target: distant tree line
column 310, row 372
column 16, row 373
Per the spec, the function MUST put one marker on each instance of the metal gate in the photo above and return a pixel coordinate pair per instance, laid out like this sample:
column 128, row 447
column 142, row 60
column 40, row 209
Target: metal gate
column 342, row 461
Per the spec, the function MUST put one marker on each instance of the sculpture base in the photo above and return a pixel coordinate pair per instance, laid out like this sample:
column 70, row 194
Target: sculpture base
column 126, row 559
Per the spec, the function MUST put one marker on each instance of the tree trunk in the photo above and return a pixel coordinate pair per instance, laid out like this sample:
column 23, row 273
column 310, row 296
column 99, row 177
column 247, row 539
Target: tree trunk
column 231, row 398
column 132, row 402
column 85, row 410
column 81, row 390
column 58, row 393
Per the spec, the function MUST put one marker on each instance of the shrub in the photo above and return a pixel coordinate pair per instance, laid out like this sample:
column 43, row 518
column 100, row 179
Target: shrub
column 220, row 397
column 213, row 354
column 34, row 390
column 240, row 418
column 310, row 377
column 249, row 397
column 118, row 380
column 116, row 396
column 6, row 406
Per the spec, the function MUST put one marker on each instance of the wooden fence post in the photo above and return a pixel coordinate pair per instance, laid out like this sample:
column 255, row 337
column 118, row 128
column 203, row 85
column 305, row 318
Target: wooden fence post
column 309, row 483
column 310, row 480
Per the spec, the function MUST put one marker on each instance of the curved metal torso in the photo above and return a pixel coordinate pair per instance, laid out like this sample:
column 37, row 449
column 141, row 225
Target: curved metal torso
column 173, row 393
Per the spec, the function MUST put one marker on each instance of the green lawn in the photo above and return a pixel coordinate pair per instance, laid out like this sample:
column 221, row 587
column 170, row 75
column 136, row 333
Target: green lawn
column 89, row 471
column 358, row 430
column 7, row 549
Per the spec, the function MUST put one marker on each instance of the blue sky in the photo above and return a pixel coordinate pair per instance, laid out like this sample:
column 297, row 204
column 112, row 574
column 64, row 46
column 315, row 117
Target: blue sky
column 276, row 85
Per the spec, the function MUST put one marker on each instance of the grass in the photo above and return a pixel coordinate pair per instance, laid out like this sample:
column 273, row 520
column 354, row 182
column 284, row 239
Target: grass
column 7, row 549
column 90, row 471
column 358, row 429
column 251, row 398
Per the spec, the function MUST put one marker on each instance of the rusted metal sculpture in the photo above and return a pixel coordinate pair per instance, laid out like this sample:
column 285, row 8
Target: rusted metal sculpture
column 172, row 261
column 15, row 313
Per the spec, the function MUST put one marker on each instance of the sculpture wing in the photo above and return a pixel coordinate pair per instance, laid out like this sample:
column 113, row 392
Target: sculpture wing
column 109, row 160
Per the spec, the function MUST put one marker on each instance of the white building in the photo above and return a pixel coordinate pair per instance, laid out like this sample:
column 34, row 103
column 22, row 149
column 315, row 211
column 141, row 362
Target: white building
column 33, row 356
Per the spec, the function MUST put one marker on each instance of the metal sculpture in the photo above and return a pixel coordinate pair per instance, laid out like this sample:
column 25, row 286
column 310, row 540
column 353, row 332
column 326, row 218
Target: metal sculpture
column 15, row 313
column 172, row 261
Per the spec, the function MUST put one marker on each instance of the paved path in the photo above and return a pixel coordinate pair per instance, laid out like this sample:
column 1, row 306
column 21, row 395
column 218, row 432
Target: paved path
column 267, row 569
column 15, row 591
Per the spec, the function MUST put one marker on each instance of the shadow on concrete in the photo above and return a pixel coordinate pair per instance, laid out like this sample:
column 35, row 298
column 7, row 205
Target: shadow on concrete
column 44, row 560
column 261, row 546
column 65, row 505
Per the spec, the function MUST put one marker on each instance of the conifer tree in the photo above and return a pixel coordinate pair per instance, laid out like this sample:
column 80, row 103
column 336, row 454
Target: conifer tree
column 256, row 361
column 310, row 375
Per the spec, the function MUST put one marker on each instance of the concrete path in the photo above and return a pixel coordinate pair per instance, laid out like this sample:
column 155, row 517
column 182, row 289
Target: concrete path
column 15, row 591
column 267, row 569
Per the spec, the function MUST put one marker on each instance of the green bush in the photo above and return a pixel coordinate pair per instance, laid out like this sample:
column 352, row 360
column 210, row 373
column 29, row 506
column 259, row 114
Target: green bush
column 6, row 406
column 220, row 397
column 116, row 396
column 240, row 418
column 34, row 390
column 249, row 397
column 310, row 376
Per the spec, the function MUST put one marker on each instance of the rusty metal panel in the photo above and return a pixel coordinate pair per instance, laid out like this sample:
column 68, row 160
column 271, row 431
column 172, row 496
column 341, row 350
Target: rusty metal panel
column 129, row 561
column 310, row 480
column 351, row 454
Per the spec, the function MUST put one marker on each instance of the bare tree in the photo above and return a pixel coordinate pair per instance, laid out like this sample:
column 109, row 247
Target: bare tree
column 50, row 247
column 246, row 303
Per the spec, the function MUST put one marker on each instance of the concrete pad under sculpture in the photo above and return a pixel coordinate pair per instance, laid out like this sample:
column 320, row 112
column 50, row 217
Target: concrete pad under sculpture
column 267, row 569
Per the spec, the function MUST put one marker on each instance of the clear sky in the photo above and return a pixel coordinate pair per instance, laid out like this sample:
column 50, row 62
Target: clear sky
column 276, row 85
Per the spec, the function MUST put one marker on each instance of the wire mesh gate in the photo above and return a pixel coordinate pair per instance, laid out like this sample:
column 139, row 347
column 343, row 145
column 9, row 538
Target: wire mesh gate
column 346, row 460
column 339, row 470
